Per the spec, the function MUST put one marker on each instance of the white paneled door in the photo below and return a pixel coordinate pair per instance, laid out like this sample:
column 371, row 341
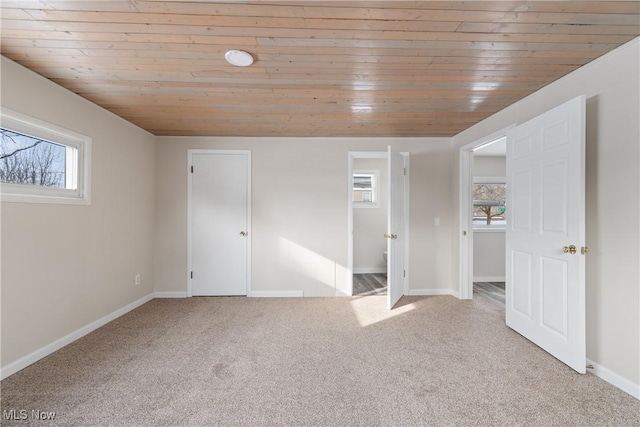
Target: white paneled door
column 396, row 228
column 219, row 210
column 545, row 242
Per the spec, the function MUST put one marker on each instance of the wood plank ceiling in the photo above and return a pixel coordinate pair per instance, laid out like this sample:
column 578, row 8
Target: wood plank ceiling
column 322, row 68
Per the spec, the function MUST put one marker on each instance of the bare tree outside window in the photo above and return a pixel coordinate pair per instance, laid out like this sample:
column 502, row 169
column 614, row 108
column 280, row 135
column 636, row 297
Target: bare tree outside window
column 31, row 161
column 489, row 202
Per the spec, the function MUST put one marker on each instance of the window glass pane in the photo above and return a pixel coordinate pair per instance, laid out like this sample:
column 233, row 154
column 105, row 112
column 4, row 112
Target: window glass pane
column 489, row 206
column 362, row 181
column 365, row 188
column 31, row 161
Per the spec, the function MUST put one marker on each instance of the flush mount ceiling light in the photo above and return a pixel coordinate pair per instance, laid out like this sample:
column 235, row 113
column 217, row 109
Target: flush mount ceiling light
column 239, row 58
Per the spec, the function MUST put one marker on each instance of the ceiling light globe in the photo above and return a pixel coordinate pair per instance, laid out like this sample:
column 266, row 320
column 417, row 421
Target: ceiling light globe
column 238, row 58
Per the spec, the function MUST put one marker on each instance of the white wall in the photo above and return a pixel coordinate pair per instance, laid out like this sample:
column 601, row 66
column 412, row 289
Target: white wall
column 489, row 256
column 65, row 266
column 490, row 166
column 300, row 237
column 370, row 224
column 489, row 245
column 612, row 87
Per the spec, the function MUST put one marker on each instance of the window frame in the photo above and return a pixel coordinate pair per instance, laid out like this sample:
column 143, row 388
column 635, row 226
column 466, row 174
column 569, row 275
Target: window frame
column 78, row 169
column 375, row 204
column 484, row 227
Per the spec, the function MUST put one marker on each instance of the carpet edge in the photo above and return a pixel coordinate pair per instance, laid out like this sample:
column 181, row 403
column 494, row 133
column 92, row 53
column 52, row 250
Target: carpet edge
column 615, row 379
column 33, row 357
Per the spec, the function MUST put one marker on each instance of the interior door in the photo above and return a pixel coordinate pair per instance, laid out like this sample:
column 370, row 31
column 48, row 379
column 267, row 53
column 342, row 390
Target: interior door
column 395, row 228
column 545, row 288
column 219, row 210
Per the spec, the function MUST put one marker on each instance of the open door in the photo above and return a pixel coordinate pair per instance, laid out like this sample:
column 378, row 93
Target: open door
column 396, row 228
column 545, row 241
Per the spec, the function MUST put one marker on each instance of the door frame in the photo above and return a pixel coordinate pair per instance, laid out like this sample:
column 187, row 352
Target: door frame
column 190, row 153
column 351, row 155
column 465, row 219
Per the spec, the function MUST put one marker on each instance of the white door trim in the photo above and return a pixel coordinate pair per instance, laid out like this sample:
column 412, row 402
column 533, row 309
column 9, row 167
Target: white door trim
column 407, row 218
column 465, row 227
column 190, row 154
column 351, row 155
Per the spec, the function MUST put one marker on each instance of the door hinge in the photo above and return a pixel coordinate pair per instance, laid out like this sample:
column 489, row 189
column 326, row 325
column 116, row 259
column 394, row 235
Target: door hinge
column 404, row 273
column 192, row 274
column 404, row 171
column 191, row 169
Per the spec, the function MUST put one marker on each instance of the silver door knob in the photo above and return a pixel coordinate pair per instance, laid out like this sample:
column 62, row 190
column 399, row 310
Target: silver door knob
column 243, row 233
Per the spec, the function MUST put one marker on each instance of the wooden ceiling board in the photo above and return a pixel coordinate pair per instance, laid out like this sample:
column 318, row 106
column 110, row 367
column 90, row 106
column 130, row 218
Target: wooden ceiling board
column 322, row 68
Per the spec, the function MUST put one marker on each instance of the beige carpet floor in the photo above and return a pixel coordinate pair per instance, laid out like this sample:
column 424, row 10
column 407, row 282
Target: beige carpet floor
column 316, row 361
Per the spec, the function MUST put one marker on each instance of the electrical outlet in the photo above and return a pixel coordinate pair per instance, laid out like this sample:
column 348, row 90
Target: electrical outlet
column 137, row 279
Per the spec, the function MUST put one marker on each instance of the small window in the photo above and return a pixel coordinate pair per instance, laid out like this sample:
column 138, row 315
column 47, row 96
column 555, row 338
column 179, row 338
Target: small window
column 489, row 205
column 366, row 189
column 42, row 163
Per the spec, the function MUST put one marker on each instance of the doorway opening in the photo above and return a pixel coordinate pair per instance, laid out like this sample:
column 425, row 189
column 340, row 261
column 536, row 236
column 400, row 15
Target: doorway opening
column 368, row 216
column 378, row 224
column 370, row 202
column 483, row 218
column 489, row 220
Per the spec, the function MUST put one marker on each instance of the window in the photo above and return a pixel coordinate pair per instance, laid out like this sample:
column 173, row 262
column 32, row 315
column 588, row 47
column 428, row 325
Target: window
column 489, row 204
column 42, row 163
column 366, row 189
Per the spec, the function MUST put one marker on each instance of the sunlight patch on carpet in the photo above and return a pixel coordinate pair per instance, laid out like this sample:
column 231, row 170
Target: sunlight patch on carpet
column 373, row 309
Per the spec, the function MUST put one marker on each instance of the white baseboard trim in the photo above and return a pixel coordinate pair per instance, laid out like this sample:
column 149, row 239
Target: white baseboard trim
column 276, row 294
column 176, row 294
column 432, row 292
column 614, row 379
column 31, row 358
column 489, row 279
column 366, row 270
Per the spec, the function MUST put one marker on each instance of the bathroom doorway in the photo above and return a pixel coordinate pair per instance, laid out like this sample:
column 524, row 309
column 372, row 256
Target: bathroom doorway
column 370, row 214
column 370, row 200
column 382, row 188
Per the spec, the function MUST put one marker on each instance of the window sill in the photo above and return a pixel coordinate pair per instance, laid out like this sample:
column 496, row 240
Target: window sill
column 40, row 195
column 490, row 230
column 366, row 206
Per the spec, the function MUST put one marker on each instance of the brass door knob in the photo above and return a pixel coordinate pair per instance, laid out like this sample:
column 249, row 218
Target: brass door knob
column 570, row 249
column 390, row 236
column 243, row 233
column 584, row 250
